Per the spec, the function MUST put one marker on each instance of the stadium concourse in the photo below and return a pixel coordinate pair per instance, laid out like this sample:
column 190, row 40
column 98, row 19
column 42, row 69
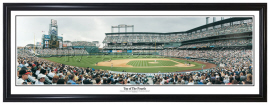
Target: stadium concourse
column 229, row 46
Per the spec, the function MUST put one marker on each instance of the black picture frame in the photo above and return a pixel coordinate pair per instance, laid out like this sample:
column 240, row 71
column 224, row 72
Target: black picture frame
column 8, row 7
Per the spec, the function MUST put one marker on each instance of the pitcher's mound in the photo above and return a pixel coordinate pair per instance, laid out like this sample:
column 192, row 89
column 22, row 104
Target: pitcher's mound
column 152, row 62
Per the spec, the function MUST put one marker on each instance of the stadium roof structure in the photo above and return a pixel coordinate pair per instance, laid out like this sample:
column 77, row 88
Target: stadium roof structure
column 219, row 22
column 233, row 19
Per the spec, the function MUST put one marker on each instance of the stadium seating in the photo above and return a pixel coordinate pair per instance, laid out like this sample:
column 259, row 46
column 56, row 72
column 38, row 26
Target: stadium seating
column 234, row 65
column 237, row 28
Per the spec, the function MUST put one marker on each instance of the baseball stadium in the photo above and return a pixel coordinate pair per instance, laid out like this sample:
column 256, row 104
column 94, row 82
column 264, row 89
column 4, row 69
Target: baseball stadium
column 215, row 53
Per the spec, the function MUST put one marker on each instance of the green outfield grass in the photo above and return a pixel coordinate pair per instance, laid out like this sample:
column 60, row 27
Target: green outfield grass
column 140, row 66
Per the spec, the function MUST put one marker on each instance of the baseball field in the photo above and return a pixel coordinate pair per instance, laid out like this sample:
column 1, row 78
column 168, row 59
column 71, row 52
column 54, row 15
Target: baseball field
column 138, row 64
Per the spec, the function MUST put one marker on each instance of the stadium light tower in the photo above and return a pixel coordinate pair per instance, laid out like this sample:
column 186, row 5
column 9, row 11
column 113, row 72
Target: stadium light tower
column 222, row 18
column 122, row 26
column 214, row 20
column 207, row 19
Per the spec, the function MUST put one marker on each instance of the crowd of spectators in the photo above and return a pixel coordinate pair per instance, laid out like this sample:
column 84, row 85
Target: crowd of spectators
column 36, row 71
column 232, row 58
column 44, row 52
column 82, row 43
column 214, row 76
column 220, row 43
column 237, row 69
column 235, row 66
column 133, row 47
column 236, row 28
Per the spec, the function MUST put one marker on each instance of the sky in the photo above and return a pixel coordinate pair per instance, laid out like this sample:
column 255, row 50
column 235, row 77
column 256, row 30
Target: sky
column 93, row 28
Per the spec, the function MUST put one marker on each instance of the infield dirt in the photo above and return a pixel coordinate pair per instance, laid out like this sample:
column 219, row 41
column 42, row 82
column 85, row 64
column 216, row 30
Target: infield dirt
column 123, row 63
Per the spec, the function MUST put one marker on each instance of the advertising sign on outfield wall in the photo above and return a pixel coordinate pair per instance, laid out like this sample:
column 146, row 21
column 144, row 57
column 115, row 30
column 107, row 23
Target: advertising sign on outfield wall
column 60, row 44
column 114, row 51
column 38, row 44
column 129, row 51
column 46, row 43
column 64, row 45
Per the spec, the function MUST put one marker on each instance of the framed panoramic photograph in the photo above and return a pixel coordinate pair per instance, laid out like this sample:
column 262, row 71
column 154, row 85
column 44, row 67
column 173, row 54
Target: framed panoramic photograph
column 142, row 52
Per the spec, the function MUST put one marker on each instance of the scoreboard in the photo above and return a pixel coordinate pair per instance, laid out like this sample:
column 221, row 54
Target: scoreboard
column 54, row 44
column 52, row 40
